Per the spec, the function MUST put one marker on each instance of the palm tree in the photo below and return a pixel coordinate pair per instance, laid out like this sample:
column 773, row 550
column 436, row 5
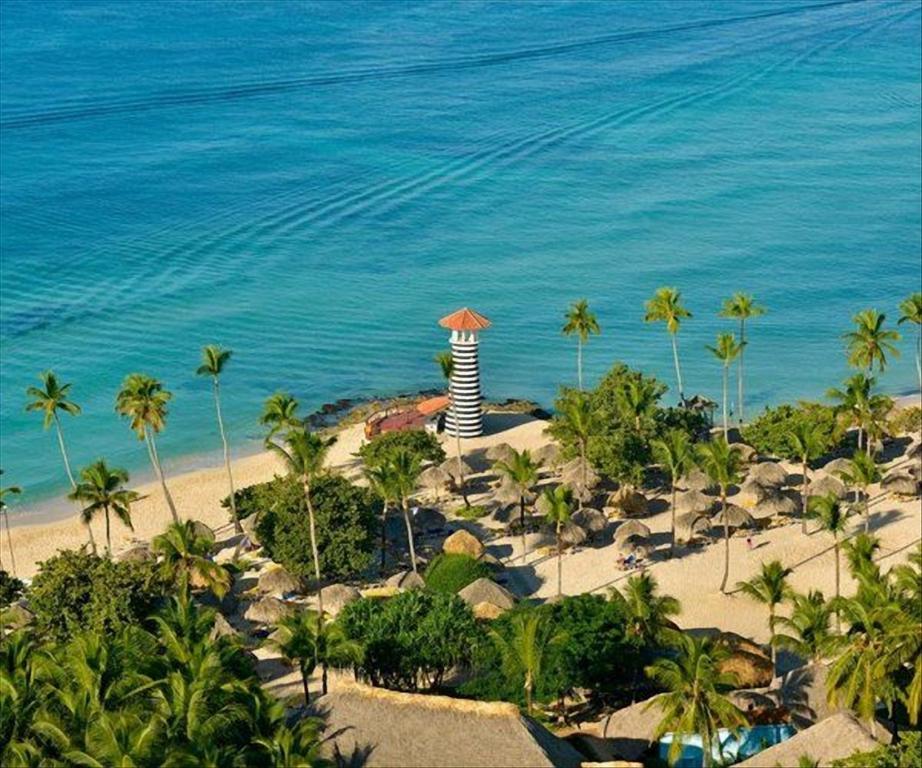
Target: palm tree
column 911, row 307
column 405, row 467
column 851, row 401
column 807, row 627
column 522, row 472
column 295, row 747
column 280, row 413
column 304, row 453
column 721, row 462
column 531, row 638
column 383, row 482
column 559, row 503
column 304, row 639
column 580, row 322
column 213, row 361
column 50, row 399
column 862, row 472
column 666, row 307
column 8, row 491
column 143, row 400
column 741, row 306
column 579, row 421
column 770, row 588
column 869, row 343
column 831, row 516
column 675, row 455
column 859, row 552
column 186, row 558
column 695, row 702
column 726, row 350
column 446, row 365
column 637, row 399
column 875, row 412
column 103, row 489
column 808, row 444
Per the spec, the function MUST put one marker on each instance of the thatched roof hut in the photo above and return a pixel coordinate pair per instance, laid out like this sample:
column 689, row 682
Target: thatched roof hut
column 834, row 738
column 500, row 452
column 485, row 590
column 267, row 610
column 628, row 501
column 507, row 493
column 900, row 483
column 434, row 479
column 747, row 453
column 691, row 525
column 777, row 504
column 769, row 474
column 914, row 452
column 837, row 466
column 579, row 474
column 694, row 501
column 803, row 693
column 572, row 535
column 428, row 520
column 222, row 627
column 628, row 731
column 275, row 580
column 632, row 528
column 463, row 542
column 735, row 515
column 338, row 596
column 635, row 544
column 592, row 520
column 696, row 480
column 548, row 455
column 136, row 554
column 826, row 484
column 451, row 467
column 405, row 580
column 375, row 727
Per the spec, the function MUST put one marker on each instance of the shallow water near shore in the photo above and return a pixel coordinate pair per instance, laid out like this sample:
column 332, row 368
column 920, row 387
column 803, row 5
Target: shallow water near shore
column 315, row 185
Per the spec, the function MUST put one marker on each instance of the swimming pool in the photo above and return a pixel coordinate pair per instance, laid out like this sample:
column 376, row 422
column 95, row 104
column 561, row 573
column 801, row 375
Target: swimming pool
column 730, row 747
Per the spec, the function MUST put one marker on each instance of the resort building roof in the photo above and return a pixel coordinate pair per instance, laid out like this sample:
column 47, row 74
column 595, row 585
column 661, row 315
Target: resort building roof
column 465, row 319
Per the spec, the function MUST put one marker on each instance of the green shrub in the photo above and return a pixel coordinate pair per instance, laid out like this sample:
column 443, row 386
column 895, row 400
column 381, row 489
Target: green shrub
column 473, row 512
column 417, row 442
column 907, row 421
column 450, row 573
column 75, row 591
column 769, row 433
column 346, row 522
column 11, row 589
column 906, row 752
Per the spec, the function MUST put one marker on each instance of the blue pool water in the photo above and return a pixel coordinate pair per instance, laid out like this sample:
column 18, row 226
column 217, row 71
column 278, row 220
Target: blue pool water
column 314, row 184
column 730, row 747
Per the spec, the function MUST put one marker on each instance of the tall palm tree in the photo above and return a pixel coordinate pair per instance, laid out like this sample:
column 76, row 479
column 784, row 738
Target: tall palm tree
column 559, row 503
column 8, row 491
column 580, row 322
column 637, row 400
column 383, row 481
column 102, row 488
column 911, row 308
column 579, row 420
column 807, row 628
column 280, row 413
column 770, row 588
column 647, row 612
column 186, row 558
column 742, row 307
column 405, row 467
column 143, row 400
column 870, row 343
column 859, row 552
column 721, row 462
column 831, row 516
column 875, row 413
column 213, row 361
column 666, row 307
column 851, row 400
column 726, row 350
column 675, row 454
column 304, row 453
column 695, row 701
column 531, row 638
column 808, row 444
column 522, row 472
column 446, row 365
column 861, row 473
column 51, row 399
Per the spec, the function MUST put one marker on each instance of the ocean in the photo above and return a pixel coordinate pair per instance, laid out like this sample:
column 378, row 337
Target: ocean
column 314, row 184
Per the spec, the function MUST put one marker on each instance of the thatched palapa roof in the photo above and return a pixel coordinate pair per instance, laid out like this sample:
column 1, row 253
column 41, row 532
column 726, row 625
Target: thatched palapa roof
column 548, row 455
column 500, row 452
column 823, row 486
column 694, row 501
column 736, row 517
column 632, row 528
column 571, row 534
column 592, row 520
column 434, row 478
column 901, row 484
column 696, row 480
column 690, row 525
column 777, row 504
column 485, row 590
column 451, row 467
column 768, row 473
column 836, row 466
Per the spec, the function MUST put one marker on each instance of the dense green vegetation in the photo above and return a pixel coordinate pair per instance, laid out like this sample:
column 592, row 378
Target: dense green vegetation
column 450, row 573
column 905, row 752
column 419, row 443
column 11, row 589
column 770, row 432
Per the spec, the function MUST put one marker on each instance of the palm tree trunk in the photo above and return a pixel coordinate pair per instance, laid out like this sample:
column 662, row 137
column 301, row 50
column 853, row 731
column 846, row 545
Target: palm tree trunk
column 723, row 506
column 522, row 523
column 678, row 370
column 324, row 673
column 726, row 397
column 70, row 475
column 304, row 678
column 108, row 534
column 672, row 544
column 155, row 460
column 227, row 462
column 559, row 564
column 406, row 520
column 315, row 551
column 383, row 536
column 583, row 469
column 739, row 370
column 579, row 362
column 867, row 511
column 803, row 495
column 771, row 638
column 9, row 541
column 836, row 550
column 528, row 691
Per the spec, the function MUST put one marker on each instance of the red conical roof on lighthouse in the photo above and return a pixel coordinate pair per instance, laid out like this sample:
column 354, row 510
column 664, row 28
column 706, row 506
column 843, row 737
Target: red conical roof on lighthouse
column 465, row 319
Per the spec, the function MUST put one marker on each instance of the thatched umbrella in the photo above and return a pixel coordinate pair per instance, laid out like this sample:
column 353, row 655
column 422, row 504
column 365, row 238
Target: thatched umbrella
column 769, row 474
column 914, row 452
column 900, row 484
column 571, row 534
column 267, row 610
column 696, row 480
column 435, row 479
column 694, row 501
column 823, row 486
column 508, row 493
column 746, row 452
column 736, row 517
column 777, row 504
column 548, row 455
column 837, row 466
column 633, row 544
column 629, row 502
column 428, row 520
column 579, row 474
column 592, row 520
column 690, row 525
column 500, row 452
column 632, row 528
column 752, row 493
column 484, row 590
column 451, row 467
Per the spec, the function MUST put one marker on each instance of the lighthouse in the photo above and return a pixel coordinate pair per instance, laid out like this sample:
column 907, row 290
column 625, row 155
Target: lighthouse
column 465, row 417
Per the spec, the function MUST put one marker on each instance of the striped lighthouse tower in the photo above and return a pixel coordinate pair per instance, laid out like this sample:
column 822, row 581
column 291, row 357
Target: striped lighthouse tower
column 465, row 417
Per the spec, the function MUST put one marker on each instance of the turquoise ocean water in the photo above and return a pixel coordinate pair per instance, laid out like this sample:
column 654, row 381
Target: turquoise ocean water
column 315, row 184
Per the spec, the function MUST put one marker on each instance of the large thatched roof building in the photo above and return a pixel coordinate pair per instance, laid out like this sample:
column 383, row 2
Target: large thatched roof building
column 370, row 727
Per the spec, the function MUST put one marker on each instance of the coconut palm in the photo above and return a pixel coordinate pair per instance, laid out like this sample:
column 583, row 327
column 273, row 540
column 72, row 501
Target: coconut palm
column 695, row 701
column 831, row 516
column 579, row 421
column 304, row 453
column 870, row 342
column 522, row 472
column 186, row 559
column 8, row 491
column 51, row 399
column 861, row 473
column 911, row 308
column 559, row 503
column 770, row 588
column 806, row 631
column 851, row 401
column 580, row 322
column 721, row 462
column 637, row 400
column 405, row 469
column 280, row 413
column 726, row 350
column 647, row 612
column 143, row 400
column 213, row 361
column 531, row 638
column 675, row 454
column 666, row 307
column 742, row 307
column 383, row 482
column 807, row 443
column 102, row 489
column 446, row 365
column 296, row 747
column 859, row 553
column 875, row 415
